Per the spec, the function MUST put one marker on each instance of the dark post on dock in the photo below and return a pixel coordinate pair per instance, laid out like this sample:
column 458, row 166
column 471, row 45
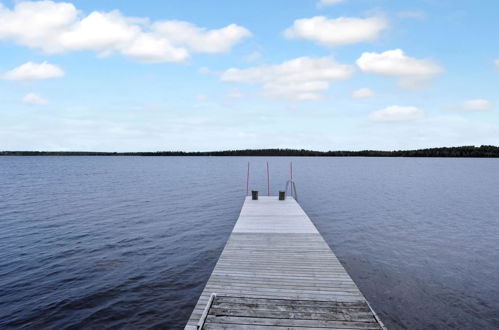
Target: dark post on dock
column 277, row 272
column 254, row 195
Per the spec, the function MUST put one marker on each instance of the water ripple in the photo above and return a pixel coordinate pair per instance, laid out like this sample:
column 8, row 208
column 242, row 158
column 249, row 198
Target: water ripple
column 129, row 242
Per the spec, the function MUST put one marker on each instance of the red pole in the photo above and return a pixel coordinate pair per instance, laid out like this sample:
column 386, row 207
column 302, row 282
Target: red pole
column 268, row 180
column 247, row 180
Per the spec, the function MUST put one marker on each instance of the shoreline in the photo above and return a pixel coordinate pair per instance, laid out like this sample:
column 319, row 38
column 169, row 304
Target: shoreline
column 443, row 152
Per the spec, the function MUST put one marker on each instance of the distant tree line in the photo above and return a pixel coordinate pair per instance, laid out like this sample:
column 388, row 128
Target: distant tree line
column 465, row 151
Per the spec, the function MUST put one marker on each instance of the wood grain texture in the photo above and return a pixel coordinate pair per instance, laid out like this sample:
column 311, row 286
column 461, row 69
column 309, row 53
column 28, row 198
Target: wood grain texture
column 277, row 272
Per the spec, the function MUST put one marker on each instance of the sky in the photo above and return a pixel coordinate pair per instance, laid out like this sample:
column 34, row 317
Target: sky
column 109, row 75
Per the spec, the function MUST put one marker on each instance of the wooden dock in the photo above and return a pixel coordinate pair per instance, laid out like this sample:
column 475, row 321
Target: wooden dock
column 277, row 272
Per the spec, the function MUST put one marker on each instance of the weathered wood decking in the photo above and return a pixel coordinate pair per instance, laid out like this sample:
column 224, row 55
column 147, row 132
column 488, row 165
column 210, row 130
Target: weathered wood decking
column 277, row 272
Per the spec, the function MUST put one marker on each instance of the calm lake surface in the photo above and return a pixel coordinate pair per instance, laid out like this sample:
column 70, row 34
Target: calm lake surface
column 129, row 242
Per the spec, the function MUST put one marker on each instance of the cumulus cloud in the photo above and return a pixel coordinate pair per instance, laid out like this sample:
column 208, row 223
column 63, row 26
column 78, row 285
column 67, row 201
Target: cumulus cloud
column 477, row 105
column 33, row 99
column 396, row 113
column 363, row 93
column 413, row 73
column 325, row 3
column 200, row 39
column 303, row 78
column 336, row 32
column 60, row 27
column 34, row 71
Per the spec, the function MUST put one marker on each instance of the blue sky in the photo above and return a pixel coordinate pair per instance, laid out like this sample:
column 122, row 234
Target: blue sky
column 212, row 75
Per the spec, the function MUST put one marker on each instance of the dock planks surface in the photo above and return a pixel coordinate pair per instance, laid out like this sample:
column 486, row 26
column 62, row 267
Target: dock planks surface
column 277, row 272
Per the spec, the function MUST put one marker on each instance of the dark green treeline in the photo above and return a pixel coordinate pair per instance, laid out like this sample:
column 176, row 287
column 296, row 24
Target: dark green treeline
column 465, row 151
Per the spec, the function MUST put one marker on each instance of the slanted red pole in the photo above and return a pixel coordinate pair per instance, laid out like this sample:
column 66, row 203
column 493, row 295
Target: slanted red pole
column 247, row 180
column 268, row 180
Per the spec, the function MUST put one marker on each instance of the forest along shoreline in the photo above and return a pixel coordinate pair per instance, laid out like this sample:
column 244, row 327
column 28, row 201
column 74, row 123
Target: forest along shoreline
column 484, row 151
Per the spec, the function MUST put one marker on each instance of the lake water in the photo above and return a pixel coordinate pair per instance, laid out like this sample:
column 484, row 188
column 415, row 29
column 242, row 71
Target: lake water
column 94, row 242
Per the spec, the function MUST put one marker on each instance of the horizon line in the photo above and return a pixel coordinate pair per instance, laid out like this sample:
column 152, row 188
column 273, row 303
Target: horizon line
column 457, row 151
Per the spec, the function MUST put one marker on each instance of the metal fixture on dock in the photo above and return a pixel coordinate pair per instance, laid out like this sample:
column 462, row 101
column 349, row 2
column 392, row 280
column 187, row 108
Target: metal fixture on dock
column 254, row 195
column 282, row 195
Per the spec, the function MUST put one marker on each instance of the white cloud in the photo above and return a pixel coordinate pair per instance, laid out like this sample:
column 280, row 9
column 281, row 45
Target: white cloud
column 303, row 78
column 200, row 39
column 33, row 99
column 497, row 65
column 363, row 93
column 477, row 105
column 149, row 49
column 413, row 73
column 36, row 24
column 33, row 71
column 396, row 113
column 396, row 63
column 325, row 3
column 336, row 32
column 60, row 27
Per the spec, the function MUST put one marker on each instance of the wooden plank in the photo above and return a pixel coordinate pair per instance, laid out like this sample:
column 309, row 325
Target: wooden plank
column 221, row 326
column 290, row 322
column 353, row 299
column 282, row 284
column 279, row 302
column 293, row 307
column 282, row 308
column 277, row 272
column 332, row 315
